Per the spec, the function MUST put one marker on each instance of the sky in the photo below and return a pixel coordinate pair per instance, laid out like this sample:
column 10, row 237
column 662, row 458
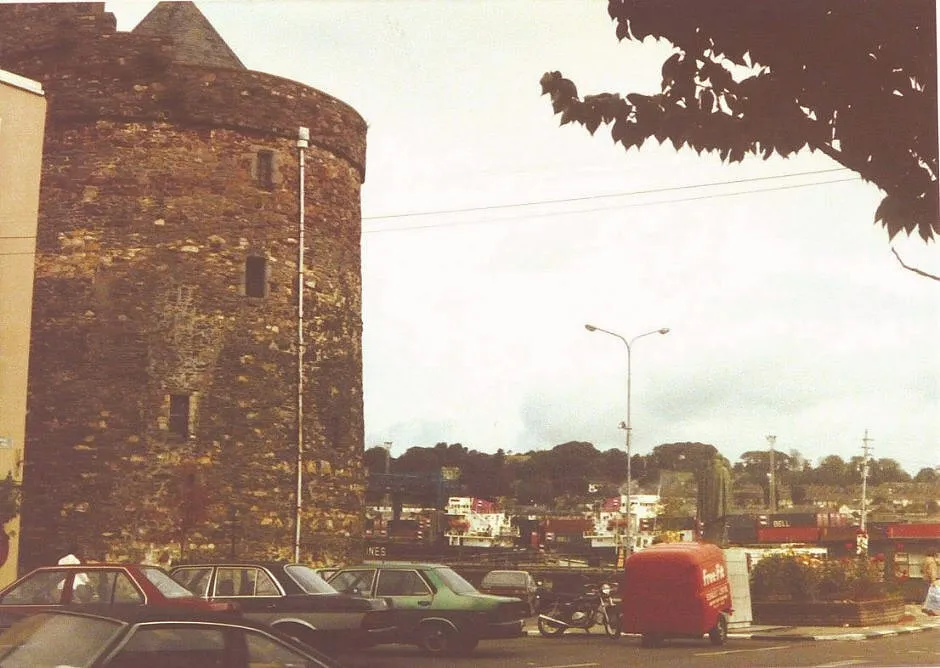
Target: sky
column 491, row 236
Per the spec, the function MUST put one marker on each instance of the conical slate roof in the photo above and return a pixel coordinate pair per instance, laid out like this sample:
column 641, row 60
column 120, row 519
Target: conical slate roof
column 194, row 39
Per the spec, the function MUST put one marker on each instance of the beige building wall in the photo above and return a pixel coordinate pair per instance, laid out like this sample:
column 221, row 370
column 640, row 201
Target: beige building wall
column 22, row 124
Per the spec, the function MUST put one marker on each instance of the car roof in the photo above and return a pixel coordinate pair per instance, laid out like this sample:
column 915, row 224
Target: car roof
column 273, row 565
column 500, row 570
column 396, row 564
column 90, row 565
column 136, row 570
column 133, row 613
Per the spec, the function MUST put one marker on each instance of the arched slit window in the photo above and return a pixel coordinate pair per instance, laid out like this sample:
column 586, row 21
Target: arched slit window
column 179, row 415
column 255, row 276
column 265, row 168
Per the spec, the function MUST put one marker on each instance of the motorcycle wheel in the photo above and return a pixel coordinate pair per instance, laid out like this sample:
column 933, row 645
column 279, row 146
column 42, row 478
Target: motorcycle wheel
column 612, row 623
column 548, row 628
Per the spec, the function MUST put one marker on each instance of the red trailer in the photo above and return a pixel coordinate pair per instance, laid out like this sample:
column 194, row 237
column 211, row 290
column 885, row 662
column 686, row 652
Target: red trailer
column 676, row 590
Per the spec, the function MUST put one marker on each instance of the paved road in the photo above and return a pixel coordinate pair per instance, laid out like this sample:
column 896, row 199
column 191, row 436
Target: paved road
column 581, row 651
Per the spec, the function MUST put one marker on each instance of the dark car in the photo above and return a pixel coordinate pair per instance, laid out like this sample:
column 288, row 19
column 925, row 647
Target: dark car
column 434, row 607
column 519, row 584
column 51, row 587
column 292, row 598
column 129, row 636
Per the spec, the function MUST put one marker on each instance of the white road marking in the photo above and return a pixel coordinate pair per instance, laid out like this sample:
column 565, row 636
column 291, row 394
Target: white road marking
column 847, row 662
column 742, row 651
column 572, row 665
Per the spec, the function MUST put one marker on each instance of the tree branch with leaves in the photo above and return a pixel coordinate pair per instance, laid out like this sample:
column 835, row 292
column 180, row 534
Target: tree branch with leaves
column 9, row 499
column 856, row 81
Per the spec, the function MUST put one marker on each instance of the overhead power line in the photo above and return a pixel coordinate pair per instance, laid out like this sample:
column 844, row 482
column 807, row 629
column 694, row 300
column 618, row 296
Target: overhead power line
column 581, row 198
column 626, row 205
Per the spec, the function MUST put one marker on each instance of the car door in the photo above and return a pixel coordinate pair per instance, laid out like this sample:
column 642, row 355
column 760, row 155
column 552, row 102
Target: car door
column 177, row 645
column 43, row 590
column 205, row 645
column 256, row 593
column 195, row 578
column 251, row 588
column 356, row 581
column 411, row 595
column 50, row 589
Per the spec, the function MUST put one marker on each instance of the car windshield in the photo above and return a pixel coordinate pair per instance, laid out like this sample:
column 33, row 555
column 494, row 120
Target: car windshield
column 454, row 582
column 47, row 640
column 308, row 580
column 167, row 585
column 503, row 579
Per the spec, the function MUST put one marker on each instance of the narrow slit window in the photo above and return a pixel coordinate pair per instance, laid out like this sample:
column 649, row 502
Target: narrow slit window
column 179, row 415
column 255, row 274
column 265, row 168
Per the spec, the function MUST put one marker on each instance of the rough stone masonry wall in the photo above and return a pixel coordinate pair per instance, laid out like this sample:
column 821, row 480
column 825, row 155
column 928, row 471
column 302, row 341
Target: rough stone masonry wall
column 150, row 206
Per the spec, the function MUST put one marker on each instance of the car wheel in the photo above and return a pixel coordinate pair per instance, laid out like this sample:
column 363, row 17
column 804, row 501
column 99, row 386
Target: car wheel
column 435, row 638
column 464, row 645
column 719, row 634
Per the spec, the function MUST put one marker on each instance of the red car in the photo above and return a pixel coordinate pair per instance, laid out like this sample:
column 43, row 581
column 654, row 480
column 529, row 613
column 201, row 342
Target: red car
column 51, row 587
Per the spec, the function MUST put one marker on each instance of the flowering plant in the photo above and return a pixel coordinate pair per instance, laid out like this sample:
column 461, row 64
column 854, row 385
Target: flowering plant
column 805, row 577
column 667, row 537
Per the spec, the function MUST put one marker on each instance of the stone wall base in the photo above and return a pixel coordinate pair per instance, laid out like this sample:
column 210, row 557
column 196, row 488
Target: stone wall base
column 828, row 613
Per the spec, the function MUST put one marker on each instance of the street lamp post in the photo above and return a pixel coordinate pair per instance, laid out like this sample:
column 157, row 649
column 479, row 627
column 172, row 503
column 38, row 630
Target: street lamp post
column 628, row 537
column 303, row 141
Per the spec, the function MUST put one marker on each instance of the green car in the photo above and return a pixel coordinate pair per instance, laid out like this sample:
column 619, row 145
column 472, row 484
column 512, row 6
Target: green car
column 434, row 607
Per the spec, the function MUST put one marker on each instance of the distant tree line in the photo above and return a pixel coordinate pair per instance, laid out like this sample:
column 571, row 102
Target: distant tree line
column 574, row 473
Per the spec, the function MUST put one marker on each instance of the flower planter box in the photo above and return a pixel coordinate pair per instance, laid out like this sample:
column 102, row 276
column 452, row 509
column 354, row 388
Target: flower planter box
column 828, row 613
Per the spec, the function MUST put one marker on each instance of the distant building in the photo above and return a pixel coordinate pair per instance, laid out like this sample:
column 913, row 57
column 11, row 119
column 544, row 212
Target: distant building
column 163, row 397
column 642, row 505
column 22, row 123
column 610, row 522
column 474, row 522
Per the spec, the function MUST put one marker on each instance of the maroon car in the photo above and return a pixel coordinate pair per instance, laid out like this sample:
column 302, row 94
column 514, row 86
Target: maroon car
column 51, row 587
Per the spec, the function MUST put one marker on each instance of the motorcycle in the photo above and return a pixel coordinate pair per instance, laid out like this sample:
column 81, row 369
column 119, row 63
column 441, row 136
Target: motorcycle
column 595, row 607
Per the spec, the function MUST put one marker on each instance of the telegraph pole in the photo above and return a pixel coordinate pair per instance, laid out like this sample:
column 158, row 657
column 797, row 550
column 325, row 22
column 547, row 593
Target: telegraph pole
column 865, row 457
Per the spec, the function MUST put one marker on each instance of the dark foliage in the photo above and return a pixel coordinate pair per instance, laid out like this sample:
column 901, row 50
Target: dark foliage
column 854, row 79
column 576, row 472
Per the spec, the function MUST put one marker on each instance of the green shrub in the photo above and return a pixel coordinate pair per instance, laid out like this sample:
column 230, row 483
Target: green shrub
column 803, row 577
column 9, row 499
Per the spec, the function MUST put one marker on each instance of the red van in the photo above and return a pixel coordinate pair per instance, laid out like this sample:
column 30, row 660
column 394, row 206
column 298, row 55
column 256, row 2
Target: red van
column 676, row 590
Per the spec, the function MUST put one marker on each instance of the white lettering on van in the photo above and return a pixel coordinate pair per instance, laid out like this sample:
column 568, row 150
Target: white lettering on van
column 714, row 575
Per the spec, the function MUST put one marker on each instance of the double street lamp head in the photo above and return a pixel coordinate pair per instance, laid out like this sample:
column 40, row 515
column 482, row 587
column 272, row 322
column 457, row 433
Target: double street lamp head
column 593, row 328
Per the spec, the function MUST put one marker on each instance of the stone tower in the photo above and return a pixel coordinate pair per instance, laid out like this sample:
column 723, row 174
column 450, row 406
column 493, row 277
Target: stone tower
column 163, row 382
